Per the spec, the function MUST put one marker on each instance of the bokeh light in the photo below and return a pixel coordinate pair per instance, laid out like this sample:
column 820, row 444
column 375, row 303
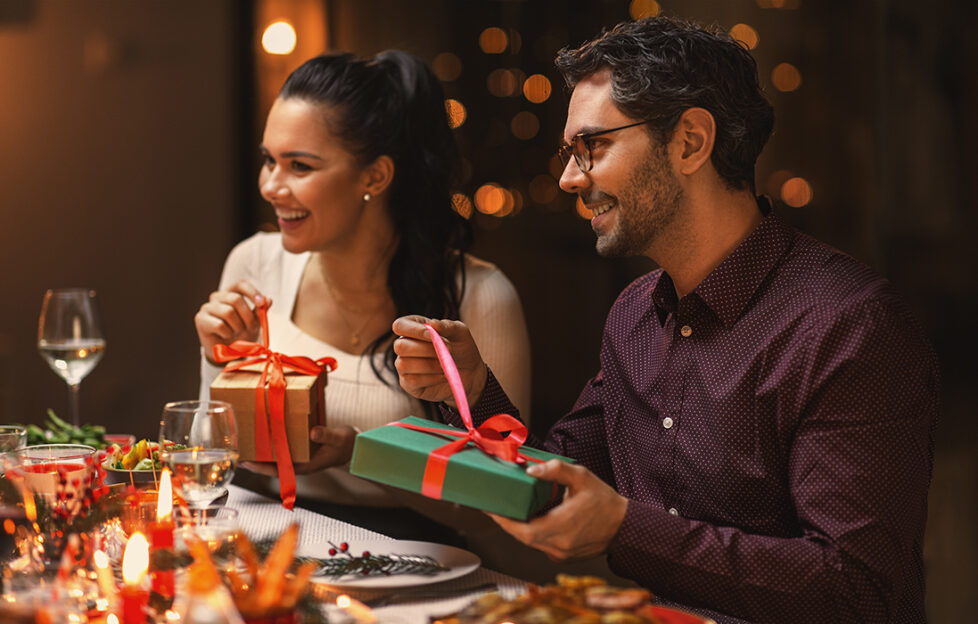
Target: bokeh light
column 796, row 192
column 543, row 189
column 643, row 8
column 503, row 82
column 279, row 38
column 493, row 40
column 537, row 88
column 462, row 204
column 778, row 4
column 492, row 199
column 524, row 125
column 515, row 41
column 456, row 113
column 776, row 180
column 786, row 77
column 447, row 66
column 746, row 35
column 582, row 210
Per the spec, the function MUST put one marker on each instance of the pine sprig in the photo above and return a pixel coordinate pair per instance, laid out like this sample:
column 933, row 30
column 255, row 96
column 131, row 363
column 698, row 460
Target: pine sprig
column 343, row 563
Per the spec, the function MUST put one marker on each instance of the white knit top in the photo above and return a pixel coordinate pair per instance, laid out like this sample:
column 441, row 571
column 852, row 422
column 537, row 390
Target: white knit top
column 354, row 396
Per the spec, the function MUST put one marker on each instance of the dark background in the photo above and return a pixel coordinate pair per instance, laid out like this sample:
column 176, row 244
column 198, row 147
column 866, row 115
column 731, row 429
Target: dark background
column 128, row 160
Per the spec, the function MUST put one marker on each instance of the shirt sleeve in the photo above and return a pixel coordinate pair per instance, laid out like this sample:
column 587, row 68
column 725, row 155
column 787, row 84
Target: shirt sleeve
column 858, row 468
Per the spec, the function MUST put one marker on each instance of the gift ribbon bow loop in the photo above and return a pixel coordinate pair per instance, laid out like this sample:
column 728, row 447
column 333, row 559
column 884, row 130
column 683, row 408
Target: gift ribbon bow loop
column 500, row 436
column 272, row 377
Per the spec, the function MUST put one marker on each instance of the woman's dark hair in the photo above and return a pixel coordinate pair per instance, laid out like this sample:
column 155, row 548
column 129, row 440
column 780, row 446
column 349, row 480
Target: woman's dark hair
column 661, row 67
column 392, row 104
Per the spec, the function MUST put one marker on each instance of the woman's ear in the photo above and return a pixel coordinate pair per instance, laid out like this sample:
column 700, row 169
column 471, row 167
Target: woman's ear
column 378, row 175
column 695, row 133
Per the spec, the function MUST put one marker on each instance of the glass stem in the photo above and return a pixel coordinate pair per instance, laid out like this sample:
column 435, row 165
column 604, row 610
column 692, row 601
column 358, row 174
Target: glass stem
column 73, row 402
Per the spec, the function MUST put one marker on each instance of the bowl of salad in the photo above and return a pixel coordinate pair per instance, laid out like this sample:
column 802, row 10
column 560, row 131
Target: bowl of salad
column 136, row 464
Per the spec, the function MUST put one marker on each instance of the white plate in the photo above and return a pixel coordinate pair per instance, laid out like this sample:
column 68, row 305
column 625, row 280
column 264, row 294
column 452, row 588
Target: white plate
column 459, row 562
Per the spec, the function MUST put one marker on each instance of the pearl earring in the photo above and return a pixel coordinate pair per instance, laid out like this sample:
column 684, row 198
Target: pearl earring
column 366, row 197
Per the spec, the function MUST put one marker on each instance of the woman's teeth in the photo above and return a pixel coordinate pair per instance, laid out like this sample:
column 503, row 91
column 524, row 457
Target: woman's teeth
column 291, row 215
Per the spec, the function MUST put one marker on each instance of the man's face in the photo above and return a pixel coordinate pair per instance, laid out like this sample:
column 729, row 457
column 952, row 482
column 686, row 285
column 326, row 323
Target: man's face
column 631, row 187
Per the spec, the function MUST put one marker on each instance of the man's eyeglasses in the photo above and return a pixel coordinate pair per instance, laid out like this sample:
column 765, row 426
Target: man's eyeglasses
column 580, row 146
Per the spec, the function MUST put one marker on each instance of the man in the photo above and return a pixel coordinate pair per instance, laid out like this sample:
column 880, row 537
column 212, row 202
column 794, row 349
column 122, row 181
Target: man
column 757, row 444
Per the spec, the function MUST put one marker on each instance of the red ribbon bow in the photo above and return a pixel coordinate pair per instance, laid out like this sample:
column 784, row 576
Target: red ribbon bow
column 272, row 375
column 489, row 436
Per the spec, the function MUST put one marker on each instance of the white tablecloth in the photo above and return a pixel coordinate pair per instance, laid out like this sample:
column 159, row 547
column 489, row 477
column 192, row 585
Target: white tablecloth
column 261, row 517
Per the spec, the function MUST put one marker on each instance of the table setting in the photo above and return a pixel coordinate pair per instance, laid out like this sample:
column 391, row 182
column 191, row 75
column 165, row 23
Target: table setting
column 105, row 528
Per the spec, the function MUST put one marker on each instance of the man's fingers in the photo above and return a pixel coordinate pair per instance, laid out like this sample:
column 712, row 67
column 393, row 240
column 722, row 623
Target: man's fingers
column 557, row 471
column 412, row 326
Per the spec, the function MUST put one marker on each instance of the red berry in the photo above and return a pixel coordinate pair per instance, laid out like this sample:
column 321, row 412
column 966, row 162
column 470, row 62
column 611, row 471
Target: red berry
column 366, row 553
column 344, row 547
column 332, row 552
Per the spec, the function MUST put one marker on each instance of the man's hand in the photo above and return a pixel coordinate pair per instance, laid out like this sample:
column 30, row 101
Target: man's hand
column 335, row 450
column 417, row 364
column 582, row 525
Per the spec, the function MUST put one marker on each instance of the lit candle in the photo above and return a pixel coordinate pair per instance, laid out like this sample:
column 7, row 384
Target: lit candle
column 104, row 576
column 161, row 535
column 135, row 562
column 361, row 613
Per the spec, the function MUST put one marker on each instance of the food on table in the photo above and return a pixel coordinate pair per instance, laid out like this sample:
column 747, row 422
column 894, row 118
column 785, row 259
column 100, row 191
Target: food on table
column 574, row 599
column 57, row 431
column 265, row 589
column 143, row 455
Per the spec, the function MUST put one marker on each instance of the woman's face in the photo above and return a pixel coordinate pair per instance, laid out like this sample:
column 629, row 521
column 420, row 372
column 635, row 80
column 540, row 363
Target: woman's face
column 314, row 184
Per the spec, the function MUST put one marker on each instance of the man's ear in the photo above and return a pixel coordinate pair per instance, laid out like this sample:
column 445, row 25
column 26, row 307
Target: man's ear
column 695, row 134
column 378, row 175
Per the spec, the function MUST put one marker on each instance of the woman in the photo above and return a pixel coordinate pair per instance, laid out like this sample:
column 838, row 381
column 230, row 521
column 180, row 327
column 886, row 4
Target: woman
column 358, row 165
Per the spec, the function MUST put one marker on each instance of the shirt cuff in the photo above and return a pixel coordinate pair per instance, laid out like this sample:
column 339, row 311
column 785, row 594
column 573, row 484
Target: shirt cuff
column 643, row 546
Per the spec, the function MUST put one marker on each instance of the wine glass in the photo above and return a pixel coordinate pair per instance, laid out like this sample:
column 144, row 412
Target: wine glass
column 199, row 444
column 69, row 337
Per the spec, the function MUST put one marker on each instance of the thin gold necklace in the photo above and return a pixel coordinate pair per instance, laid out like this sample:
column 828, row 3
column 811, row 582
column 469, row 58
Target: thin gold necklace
column 354, row 333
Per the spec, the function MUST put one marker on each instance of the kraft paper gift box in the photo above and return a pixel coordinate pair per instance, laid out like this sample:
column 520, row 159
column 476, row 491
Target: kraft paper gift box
column 303, row 409
column 397, row 456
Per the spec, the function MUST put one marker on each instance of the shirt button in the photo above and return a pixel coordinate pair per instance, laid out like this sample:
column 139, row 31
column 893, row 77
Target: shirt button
column 667, row 422
column 686, row 331
column 674, row 511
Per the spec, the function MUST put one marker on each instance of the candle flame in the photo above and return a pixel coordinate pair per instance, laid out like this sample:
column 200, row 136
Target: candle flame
column 112, row 618
column 135, row 560
column 101, row 559
column 164, row 504
column 30, row 507
column 343, row 601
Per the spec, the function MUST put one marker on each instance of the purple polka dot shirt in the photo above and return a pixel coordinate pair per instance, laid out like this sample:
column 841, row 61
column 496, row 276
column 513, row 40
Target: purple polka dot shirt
column 772, row 431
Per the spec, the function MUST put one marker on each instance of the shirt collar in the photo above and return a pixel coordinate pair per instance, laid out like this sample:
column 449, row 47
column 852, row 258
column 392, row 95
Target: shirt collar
column 730, row 286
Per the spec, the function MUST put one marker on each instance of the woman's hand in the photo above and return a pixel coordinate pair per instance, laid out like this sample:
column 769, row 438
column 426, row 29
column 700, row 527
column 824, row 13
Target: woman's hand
column 336, row 449
column 229, row 315
column 417, row 363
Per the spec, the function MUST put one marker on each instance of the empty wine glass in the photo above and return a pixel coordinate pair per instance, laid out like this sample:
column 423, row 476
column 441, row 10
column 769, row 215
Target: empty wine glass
column 69, row 337
column 199, row 444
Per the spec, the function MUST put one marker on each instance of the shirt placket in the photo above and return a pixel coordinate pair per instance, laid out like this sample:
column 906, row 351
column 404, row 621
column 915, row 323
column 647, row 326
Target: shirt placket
column 670, row 418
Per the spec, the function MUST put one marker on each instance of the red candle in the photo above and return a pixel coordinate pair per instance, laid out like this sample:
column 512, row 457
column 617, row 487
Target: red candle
column 135, row 562
column 161, row 536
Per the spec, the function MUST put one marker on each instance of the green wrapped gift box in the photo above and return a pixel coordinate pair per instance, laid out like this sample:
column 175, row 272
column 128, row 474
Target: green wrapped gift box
column 397, row 456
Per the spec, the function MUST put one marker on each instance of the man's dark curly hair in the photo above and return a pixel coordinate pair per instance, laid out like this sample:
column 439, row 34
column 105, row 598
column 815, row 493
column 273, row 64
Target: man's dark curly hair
column 661, row 67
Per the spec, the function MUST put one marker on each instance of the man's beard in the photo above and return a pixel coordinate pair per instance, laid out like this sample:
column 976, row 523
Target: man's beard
column 648, row 204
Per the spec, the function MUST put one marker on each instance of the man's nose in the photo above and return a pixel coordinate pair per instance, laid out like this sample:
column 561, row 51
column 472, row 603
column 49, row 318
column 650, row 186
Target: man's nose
column 572, row 179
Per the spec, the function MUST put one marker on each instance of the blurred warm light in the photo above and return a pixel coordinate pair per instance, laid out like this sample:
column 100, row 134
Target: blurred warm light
column 537, row 88
column 279, row 38
column 515, row 41
column 502, row 82
column 493, row 40
column 555, row 167
column 746, row 35
column 135, row 559
column 462, row 204
column 643, row 8
column 492, row 199
column 543, row 189
column 456, row 113
column 524, row 125
column 583, row 211
column 786, row 77
column 778, row 4
column 447, row 66
column 796, row 192
column 776, row 180
column 164, row 499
